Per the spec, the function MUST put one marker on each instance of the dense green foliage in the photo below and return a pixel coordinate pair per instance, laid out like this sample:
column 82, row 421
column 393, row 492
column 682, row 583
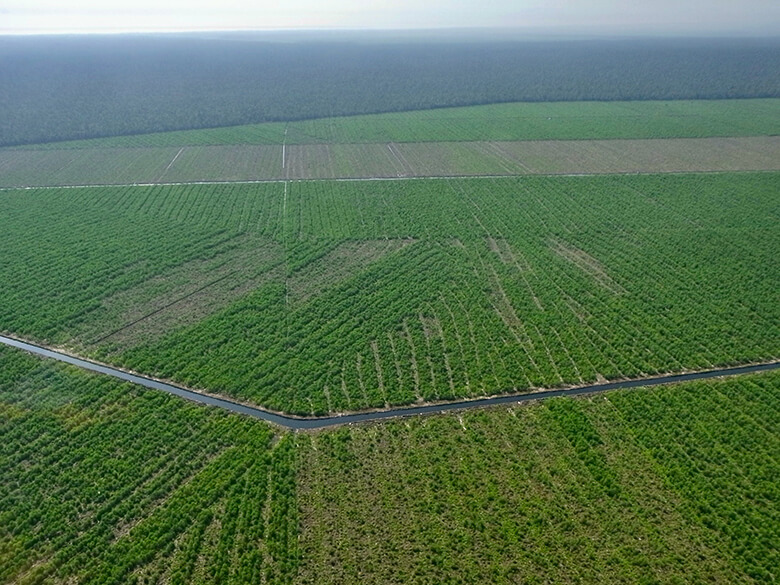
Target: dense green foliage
column 103, row 482
column 63, row 88
column 326, row 296
column 323, row 296
column 83, row 254
column 497, row 122
column 665, row 485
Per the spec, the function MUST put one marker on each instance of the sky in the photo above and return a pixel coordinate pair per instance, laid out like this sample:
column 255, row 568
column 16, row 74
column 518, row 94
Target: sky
column 577, row 16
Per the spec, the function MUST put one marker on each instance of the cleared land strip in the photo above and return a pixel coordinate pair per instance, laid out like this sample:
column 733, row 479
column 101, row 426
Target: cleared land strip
column 297, row 423
column 120, row 166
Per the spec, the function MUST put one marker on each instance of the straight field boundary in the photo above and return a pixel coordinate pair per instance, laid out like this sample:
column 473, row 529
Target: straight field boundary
column 314, row 423
column 379, row 179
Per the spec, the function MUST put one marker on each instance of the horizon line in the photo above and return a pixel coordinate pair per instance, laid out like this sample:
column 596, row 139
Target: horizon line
column 592, row 31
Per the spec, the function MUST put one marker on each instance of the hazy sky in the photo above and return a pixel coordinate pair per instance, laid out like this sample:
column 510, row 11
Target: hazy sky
column 602, row 16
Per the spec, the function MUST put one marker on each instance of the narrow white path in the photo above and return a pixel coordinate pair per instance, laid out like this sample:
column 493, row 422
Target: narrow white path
column 375, row 179
column 284, row 148
column 170, row 164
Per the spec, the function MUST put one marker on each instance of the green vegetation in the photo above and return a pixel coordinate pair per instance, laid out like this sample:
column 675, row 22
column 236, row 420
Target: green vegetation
column 104, row 482
column 666, row 485
column 93, row 244
column 498, row 122
column 316, row 297
column 503, row 139
column 63, row 88
column 323, row 296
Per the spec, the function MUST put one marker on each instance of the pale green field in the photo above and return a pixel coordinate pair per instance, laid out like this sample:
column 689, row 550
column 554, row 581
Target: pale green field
column 502, row 122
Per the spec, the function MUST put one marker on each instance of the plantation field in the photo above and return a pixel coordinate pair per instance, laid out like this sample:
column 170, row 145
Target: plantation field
column 104, row 482
column 433, row 159
column 76, row 167
column 422, row 159
column 314, row 297
column 497, row 122
column 330, row 263
column 118, row 166
column 122, row 251
column 665, row 485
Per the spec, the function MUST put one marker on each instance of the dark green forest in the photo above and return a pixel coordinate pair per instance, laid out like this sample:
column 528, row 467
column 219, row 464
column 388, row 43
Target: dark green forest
column 59, row 88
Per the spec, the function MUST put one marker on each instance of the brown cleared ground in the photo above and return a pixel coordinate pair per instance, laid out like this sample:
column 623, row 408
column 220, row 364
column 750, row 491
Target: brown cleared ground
column 21, row 168
column 393, row 160
column 225, row 163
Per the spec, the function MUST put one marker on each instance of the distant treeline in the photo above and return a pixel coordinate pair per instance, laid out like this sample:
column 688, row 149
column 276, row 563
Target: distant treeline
column 58, row 88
